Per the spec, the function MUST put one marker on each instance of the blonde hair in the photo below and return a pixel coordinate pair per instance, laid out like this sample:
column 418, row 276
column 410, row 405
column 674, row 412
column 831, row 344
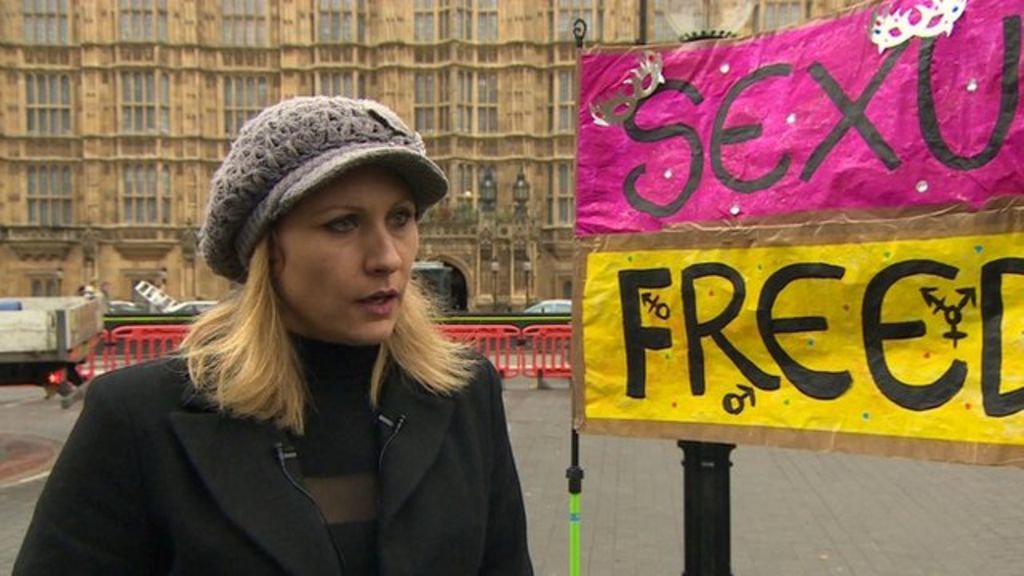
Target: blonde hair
column 228, row 360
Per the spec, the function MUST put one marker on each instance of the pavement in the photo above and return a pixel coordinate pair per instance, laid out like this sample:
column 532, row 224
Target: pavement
column 794, row 513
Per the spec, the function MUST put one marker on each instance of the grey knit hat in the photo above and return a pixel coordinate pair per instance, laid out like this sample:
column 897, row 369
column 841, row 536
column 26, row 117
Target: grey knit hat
column 297, row 146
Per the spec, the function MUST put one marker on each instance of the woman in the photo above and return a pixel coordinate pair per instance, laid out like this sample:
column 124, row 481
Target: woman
column 315, row 422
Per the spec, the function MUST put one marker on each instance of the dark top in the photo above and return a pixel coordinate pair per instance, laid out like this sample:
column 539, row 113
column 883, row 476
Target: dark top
column 155, row 479
column 338, row 451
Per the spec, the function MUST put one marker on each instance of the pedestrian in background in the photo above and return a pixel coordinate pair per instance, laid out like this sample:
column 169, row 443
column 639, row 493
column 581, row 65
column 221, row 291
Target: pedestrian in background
column 316, row 421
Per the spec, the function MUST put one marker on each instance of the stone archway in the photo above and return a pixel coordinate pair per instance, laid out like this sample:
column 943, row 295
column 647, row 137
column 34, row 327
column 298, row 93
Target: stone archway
column 458, row 292
column 445, row 281
column 459, row 296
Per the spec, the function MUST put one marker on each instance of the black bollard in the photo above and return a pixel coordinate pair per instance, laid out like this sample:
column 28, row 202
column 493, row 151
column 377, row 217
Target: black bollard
column 706, row 510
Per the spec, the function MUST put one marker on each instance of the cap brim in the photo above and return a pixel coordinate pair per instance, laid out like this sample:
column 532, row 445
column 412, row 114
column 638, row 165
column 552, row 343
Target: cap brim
column 426, row 181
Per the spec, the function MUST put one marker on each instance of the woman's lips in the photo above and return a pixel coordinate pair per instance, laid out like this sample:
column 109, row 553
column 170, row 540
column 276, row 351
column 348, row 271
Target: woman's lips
column 381, row 304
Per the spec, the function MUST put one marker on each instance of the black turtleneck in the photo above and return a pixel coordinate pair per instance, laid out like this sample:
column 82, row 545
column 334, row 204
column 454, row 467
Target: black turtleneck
column 338, row 452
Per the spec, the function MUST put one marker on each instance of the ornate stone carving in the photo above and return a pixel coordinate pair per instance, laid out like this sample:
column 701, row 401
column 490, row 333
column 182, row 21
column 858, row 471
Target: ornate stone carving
column 189, row 239
column 144, row 250
column 139, row 243
column 33, row 243
column 89, row 242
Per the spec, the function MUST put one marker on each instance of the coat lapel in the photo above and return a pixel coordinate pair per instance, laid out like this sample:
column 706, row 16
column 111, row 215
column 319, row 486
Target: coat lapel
column 410, row 453
column 237, row 462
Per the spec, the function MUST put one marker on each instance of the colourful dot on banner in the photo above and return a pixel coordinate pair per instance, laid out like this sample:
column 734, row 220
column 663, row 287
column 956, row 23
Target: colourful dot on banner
column 810, row 342
column 887, row 255
column 927, row 354
column 629, row 258
column 866, row 416
column 668, row 356
column 979, row 248
column 674, row 404
column 846, row 307
column 967, row 405
column 760, row 267
column 711, row 292
column 786, row 401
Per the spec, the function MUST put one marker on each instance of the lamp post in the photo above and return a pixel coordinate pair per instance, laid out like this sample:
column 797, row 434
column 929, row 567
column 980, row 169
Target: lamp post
column 521, row 194
column 521, row 197
column 494, row 285
column 488, row 191
column 527, row 268
column 465, row 208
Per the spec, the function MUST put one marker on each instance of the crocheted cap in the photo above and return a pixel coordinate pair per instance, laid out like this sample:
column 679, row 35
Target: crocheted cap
column 297, row 146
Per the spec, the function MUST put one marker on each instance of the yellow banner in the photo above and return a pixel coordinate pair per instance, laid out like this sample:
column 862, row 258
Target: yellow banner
column 911, row 338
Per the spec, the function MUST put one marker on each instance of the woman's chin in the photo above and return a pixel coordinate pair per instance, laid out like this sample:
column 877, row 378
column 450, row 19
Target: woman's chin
column 368, row 334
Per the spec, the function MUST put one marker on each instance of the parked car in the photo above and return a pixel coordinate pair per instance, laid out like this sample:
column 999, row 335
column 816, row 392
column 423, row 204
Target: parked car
column 126, row 307
column 562, row 307
column 191, row 307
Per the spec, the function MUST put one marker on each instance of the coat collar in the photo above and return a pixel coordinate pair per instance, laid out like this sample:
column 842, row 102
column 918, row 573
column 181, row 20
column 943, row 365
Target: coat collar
column 237, row 462
column 407, row 454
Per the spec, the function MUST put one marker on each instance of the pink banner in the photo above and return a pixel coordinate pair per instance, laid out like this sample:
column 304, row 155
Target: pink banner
column 815, row 118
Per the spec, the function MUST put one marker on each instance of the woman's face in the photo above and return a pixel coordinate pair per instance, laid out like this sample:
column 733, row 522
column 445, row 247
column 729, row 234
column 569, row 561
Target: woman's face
column 342, row 258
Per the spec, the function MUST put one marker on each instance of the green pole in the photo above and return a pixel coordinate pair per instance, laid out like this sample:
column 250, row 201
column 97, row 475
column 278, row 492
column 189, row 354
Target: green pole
column 574, row 535
column 575, row 475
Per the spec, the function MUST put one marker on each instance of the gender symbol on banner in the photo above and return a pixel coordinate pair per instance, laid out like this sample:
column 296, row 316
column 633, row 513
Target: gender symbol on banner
column 655, row 306
column 953, row 313
column 734, row 403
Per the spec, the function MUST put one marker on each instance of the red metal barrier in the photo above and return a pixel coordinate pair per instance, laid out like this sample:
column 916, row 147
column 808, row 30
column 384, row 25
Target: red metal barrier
column 127, row 345
column 94, row 359
column 499, row 343
column 549, row 347
column 550, row 351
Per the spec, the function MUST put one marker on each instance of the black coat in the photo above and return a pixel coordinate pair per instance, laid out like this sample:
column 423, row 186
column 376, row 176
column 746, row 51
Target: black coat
column 154, row 481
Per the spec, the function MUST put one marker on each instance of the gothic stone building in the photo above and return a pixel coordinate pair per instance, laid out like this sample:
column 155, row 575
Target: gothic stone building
column 117, row 112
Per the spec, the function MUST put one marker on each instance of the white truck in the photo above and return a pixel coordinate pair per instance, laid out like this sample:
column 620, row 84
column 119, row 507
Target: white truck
column 41, row 338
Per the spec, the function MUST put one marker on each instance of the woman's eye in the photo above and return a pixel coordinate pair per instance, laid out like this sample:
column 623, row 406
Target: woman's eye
column 402, row 217
column 343, row 224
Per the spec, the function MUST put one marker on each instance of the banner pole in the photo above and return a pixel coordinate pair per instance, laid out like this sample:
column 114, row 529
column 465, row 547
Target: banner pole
column 574, row 473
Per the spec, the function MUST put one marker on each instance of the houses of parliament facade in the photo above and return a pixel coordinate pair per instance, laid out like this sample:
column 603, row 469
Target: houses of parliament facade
column 116, row 113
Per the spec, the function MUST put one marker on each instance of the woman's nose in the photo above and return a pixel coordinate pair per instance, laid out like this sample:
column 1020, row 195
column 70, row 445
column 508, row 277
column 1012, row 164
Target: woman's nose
column 382, row 254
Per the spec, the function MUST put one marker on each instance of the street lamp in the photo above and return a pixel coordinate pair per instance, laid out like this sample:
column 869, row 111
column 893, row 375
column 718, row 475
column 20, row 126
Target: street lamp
column 494, row 285
column 521, row 193
column 488, row 191
column 527, row 268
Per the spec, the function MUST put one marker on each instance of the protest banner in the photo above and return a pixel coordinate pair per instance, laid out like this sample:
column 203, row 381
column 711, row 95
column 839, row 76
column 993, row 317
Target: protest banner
column 810, row 119
column 808, row 239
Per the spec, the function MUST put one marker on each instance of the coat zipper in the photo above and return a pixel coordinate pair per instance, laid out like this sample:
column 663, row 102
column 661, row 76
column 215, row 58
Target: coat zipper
column 285, row 453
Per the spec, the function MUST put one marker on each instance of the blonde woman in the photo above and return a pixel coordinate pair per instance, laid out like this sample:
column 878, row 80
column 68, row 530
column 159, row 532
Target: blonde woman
column 315, row 422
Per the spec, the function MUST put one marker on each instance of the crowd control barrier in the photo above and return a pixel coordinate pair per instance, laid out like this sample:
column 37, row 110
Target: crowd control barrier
column 498, row 342
column 93, row 363
column 537, row 351
column 549, row 352
column 127, row 345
